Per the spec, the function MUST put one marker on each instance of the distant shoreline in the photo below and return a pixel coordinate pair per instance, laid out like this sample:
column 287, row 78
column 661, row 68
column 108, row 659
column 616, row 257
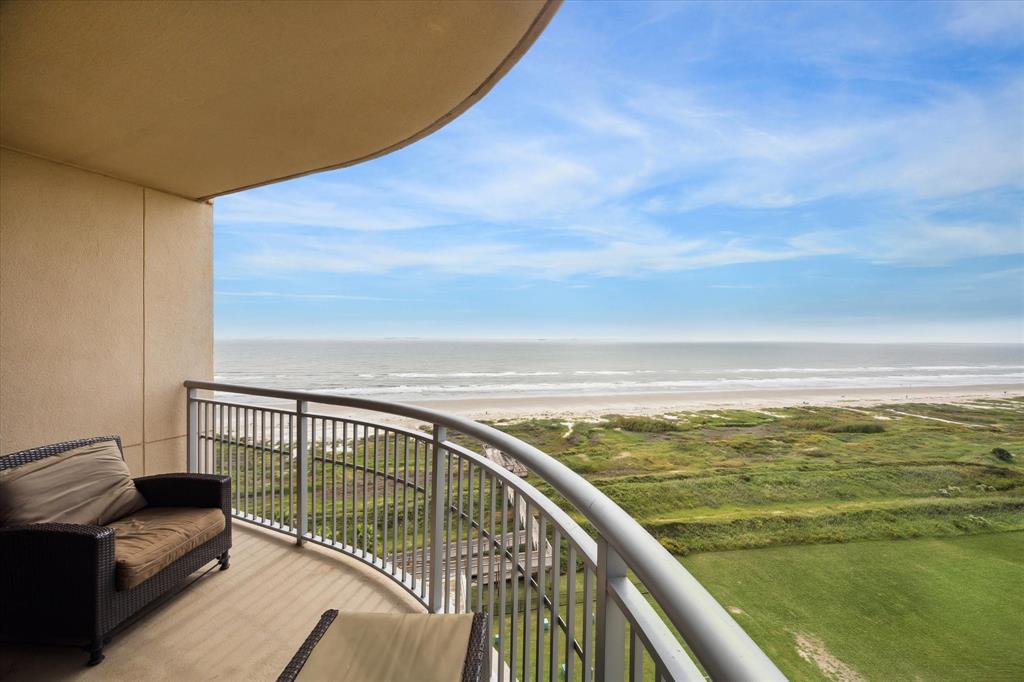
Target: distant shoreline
column 588, row 406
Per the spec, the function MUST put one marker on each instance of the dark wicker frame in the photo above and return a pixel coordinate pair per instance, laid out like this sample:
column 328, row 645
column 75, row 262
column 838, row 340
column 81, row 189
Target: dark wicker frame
column 57, row 583
column 475, row 650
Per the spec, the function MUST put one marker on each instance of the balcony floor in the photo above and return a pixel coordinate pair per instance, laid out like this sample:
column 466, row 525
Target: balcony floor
column 241, row 624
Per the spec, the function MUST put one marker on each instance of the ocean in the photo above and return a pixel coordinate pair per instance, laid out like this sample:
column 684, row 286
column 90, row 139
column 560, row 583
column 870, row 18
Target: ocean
column 410, row 370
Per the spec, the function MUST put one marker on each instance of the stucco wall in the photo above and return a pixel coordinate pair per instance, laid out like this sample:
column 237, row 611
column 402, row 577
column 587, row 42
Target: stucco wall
column 105, row 308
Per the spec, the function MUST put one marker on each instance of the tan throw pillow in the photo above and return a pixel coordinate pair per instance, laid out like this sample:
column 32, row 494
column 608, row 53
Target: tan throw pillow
column 89, row 485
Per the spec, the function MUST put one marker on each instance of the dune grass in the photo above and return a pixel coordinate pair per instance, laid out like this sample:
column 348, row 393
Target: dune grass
column 802, row 521
column 733, row 479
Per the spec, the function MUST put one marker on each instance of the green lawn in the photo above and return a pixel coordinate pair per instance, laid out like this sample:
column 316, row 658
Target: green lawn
column 929, row 609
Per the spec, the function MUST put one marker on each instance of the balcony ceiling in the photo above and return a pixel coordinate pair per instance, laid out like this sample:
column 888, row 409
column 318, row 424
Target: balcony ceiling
column 201, row 99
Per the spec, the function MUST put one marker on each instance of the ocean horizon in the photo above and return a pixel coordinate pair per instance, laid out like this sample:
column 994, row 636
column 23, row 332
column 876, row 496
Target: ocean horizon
column 430, row 369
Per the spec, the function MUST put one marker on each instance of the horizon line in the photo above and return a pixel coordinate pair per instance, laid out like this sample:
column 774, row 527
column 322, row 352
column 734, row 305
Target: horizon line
column 613, row 339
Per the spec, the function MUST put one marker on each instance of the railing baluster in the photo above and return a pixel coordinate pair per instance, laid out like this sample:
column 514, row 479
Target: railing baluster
column 275, row 467
column 491, row 577
column 527, row 580
column 323, row 478
column 588, row 624
column 334, row 481
column 291, row 473
column 570, row 615
column 405, row 509
column 427, row 498
column 438, row 493
column 480, row 541
column 394, row 502
column 344, row 482
column 416, row 518
column 263, row 466
column 220, row 442
column 310, row 483
column 449, row 461
column 192, row 458
column 636, row 657
column 541, row 594
column 463, row 568
column 365, row 501
column 301, row 407
column 376, row 481
column 501, row 585
column 556, row 606
column 233, row 458
column 611, row 624
column 248, row 454
column 384, row 536
column 513, row 654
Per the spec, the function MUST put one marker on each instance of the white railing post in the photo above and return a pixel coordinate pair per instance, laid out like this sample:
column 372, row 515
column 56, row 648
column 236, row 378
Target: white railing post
column 610, row 663
column 192, row 448
column 438, row 493
column 301, row 407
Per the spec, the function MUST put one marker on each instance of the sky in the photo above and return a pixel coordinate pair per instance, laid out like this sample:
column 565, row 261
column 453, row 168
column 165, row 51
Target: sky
column 663, row 171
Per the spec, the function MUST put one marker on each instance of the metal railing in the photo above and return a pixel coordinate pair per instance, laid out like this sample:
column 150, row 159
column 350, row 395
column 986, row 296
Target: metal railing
column 460, row 532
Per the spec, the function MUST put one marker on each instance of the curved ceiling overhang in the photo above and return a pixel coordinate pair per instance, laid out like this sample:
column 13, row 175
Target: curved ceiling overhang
column 201, row 99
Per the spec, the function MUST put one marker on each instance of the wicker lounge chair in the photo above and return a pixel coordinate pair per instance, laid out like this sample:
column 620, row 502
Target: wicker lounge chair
column 60, row 582
column 476, row 648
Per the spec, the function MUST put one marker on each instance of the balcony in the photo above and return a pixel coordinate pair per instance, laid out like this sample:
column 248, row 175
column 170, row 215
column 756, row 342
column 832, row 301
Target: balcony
column 563, row 602
column 365, row 505
column 244, row 623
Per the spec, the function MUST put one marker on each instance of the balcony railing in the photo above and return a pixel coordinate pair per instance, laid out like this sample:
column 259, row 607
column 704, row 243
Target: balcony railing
column 438, row 513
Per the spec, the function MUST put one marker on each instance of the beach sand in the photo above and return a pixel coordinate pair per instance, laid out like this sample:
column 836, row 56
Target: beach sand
column 657, row 403
column 588, row 406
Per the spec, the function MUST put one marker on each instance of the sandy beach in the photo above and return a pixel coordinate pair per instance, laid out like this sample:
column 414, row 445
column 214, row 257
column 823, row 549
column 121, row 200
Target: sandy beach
column 589, row 406
column 656, row 403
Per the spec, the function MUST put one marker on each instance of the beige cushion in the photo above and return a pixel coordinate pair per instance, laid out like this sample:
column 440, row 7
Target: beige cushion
column 387, row 646
column 88, row 485
column 152, row 539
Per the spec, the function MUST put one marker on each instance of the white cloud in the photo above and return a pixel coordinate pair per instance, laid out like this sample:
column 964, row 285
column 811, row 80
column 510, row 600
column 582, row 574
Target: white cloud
column 303, row 296
column 985, row 19
column 608, row 178
column 611, row 259
column 937, row 243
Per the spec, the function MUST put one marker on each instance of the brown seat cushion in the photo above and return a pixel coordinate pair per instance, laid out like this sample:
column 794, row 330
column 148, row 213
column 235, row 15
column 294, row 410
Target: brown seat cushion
column 389, row 646
column 88, row 485
column 152, row 539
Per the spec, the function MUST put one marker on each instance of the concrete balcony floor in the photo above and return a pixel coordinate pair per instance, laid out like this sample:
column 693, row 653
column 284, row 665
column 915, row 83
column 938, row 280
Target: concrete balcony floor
column 241, row 624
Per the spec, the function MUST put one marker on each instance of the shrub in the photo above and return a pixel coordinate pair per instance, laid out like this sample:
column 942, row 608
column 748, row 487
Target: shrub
column 642, row 424
column 857, row 427
column 1002, row 454
column 811, row 423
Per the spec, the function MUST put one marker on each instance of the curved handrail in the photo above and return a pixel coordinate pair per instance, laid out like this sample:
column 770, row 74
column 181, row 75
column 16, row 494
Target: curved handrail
column 724, row 649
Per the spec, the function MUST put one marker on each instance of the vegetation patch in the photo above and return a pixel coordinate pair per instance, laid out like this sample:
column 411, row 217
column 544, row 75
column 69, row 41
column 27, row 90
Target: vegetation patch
column 929, row 609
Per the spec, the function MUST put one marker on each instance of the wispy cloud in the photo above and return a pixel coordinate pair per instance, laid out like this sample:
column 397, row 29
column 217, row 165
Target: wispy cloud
column 653, row 142
column 987, row 19
column 304, row 296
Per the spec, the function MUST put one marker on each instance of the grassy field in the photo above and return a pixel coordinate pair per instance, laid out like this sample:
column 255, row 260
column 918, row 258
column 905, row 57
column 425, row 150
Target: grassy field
column 930, row 609
column 803, row 520
column 739, row 479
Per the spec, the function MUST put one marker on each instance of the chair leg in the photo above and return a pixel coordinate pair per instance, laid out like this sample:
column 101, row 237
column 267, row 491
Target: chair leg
column 224, row 560
column 95, row 653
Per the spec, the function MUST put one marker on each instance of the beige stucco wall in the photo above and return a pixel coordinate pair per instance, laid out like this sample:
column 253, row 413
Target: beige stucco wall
column 105, row 308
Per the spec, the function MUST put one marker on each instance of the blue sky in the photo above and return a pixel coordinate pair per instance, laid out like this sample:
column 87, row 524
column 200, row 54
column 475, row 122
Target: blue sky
column 836, row 172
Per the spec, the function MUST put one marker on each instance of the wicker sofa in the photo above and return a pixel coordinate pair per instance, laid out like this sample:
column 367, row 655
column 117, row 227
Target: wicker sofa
column 69, row 583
